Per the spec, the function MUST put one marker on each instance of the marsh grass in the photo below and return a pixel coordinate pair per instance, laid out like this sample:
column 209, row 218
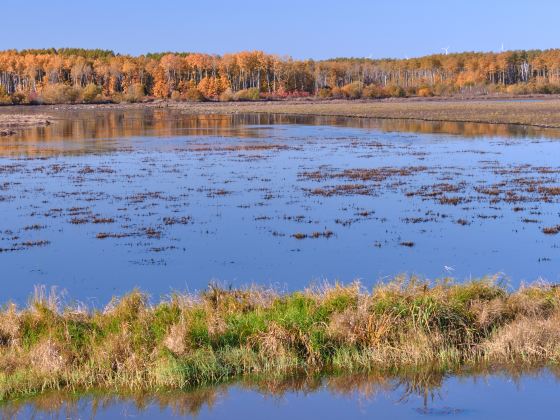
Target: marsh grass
column 191, row 340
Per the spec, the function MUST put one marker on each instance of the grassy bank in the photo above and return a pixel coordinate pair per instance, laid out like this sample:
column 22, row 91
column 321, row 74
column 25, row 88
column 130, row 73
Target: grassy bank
column 211, row 337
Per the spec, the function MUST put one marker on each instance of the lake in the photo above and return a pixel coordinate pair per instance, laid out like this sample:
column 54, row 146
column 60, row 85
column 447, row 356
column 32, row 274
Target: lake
column 104, row 201
column 101, row 202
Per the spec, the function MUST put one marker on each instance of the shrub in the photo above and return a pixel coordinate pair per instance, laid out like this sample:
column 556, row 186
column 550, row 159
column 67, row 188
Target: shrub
column 227, row 95
column 91, row 93
column 353, row 90
column 547, row 88
column 176, row 96
column 135, row 93
column 441, row 89
column 19, row 98
column 337, row 92
column 425, row 92
column 193, row 95
column 396, row 91
column 374, row 92
column 4, row 97
column 60, row 94
column 518, row 89
column 324, row 93
column 297, row 94
column 251, row 94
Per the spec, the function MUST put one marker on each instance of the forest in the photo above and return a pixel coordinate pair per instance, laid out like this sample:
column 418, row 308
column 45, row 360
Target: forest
column 92, row 76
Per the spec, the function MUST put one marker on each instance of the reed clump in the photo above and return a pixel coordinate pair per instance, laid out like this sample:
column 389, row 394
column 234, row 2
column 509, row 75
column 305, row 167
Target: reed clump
column 189, row 340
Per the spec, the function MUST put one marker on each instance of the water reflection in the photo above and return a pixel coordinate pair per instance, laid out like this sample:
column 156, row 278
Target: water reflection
column 308, row 396
column 90, row 131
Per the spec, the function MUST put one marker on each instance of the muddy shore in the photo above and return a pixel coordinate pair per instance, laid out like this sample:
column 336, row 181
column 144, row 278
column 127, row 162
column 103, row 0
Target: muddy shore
column 11, row 122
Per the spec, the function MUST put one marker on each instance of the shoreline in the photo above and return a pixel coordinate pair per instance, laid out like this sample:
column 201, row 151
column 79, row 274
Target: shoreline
column 531, row 111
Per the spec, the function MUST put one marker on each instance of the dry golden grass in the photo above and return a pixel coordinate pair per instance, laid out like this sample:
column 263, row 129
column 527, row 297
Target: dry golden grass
column 525, row 340
column 545, row 113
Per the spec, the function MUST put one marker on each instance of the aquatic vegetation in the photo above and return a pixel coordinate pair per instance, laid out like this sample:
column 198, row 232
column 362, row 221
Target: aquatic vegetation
column 313, row 235
column 551, row 230
column 189, row 340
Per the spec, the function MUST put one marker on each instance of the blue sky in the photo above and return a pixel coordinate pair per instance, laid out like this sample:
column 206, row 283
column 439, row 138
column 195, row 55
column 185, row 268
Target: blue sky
column 302, row 29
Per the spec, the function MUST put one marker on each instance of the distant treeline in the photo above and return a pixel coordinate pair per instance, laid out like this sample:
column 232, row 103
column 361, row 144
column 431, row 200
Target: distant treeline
column 80, row 75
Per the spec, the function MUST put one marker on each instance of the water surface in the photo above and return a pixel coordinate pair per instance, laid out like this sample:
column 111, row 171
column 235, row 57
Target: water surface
column 350, row 397
column 103, row 201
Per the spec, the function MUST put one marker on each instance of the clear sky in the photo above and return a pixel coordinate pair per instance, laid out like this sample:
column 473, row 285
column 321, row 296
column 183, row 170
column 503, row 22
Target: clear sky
column 302, row 29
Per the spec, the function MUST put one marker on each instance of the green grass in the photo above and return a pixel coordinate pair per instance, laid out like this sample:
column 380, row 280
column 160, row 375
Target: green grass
column 212, row 337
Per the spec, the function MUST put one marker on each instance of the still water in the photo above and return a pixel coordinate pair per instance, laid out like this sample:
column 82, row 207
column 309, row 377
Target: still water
column 101, row 202
column 496, row 396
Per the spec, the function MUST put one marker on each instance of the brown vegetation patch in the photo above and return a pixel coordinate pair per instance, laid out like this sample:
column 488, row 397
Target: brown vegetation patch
column 105, row 235
column 47, row 358
column 183, row 220
column 238, row 147
column 527, row 339
column 361, row 174
column 175, row 340
column 38, row 243
column 313, row 235
column 551, row 230
column 454, row 201
column 342, row 189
